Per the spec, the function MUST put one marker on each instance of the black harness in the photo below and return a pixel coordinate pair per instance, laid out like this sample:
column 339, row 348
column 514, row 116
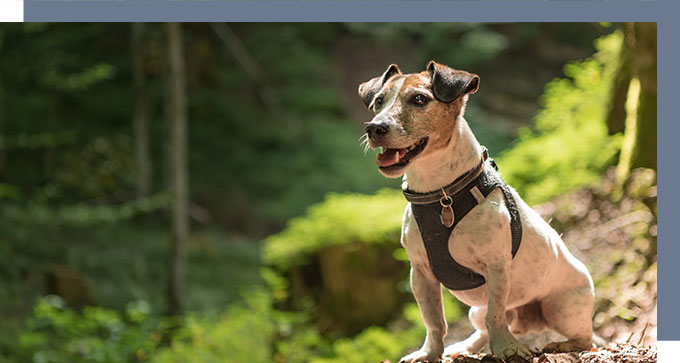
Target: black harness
column 437, row 214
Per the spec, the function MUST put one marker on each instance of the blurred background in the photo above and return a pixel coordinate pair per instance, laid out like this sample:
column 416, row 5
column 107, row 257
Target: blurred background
column 197, row 192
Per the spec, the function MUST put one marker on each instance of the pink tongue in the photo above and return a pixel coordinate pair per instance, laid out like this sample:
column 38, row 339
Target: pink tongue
column 387, row 157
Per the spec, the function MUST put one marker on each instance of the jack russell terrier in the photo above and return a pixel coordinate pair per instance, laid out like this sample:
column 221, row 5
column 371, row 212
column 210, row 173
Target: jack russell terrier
column 465, row 228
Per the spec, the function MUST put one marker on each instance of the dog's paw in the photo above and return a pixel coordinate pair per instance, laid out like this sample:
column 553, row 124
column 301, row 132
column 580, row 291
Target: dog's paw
column 506, row 347
column 462, row 348
column 473, row 344
column 457, row 349
column 421, row 356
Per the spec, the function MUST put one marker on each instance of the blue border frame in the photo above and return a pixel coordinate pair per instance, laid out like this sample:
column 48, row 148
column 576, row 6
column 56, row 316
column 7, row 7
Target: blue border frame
column 330, row 11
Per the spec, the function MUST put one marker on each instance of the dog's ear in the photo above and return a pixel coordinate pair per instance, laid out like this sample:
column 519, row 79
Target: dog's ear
column 368, row 89
column 449, row 84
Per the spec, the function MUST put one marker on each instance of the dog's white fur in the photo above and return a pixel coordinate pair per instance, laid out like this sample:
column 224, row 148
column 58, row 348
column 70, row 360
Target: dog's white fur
column 544, row 286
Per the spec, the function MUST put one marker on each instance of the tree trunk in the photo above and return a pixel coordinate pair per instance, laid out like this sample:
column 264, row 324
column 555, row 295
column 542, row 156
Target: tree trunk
column 639, row 145
column 2, row 120
column 3, row 157
column 644, row 152
column 49, row 156
column 167, row 111
column 616, row 113
column 177, row 152
column 140, row 116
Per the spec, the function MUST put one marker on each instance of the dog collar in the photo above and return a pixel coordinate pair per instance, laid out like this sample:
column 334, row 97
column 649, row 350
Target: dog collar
column 437, row 214
column 444, row 193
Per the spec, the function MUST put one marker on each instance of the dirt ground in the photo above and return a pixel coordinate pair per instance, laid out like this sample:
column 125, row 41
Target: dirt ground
column 619, row 353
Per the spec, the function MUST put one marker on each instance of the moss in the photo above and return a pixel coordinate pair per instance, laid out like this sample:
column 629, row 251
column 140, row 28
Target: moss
column 339, row 219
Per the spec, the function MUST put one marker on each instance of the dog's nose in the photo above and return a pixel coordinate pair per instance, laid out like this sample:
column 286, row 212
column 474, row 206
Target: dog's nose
column 376, row 129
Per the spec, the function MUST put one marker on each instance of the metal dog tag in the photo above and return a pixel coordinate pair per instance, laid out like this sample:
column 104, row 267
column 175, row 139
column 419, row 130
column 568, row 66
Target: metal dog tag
column 446, row 216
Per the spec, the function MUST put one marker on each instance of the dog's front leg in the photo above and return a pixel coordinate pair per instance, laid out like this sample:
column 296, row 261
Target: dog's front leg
column 503, row 343
column 428, row 294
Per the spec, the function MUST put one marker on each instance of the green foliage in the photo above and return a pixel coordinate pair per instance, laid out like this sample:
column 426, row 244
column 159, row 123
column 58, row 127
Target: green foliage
column 103, row 167
column 58, row 334
column 372, row 345
column 241, row 334
column 341, row 218
column 300, row 342
column 375, row 344
column 8, row 191
column 81, row 80
column 55, row 334
column 291, row 172
column 38, row 140
column 467, row 43
column 220, row 268
column 568, row 146
column 122, row 261
column 82, row 214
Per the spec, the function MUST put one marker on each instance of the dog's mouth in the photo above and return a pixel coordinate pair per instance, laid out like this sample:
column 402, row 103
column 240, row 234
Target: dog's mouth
column 392, row 158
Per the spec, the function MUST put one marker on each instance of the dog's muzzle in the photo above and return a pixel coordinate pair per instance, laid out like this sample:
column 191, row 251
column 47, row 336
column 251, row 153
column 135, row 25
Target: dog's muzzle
column 376, row 130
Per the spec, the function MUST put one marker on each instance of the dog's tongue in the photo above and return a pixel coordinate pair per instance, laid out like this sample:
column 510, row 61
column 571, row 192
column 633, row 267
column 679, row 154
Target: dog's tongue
column 390, row 157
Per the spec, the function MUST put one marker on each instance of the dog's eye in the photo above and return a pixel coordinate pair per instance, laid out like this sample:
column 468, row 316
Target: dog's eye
column 419, row 100
column 378, row 102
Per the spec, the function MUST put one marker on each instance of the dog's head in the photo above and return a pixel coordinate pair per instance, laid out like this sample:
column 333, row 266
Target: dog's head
column 414, row 113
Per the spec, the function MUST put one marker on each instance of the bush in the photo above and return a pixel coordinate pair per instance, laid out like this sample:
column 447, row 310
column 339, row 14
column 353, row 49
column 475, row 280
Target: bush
column 567, row 146
column 56, row 333
column 376, row 344
column 243, row 333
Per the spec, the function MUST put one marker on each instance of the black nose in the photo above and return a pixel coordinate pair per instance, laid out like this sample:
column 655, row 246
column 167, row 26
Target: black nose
column 376, row 129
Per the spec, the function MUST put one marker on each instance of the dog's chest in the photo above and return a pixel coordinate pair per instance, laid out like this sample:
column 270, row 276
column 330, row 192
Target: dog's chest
column 437, row 215
column 436, row 235
column 479, row 239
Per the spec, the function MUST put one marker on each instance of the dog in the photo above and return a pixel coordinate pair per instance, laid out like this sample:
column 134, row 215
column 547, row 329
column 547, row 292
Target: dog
column 515, row 272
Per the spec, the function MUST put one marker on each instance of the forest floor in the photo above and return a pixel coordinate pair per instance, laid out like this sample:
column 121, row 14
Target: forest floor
column 619, row 353
column 615, row 236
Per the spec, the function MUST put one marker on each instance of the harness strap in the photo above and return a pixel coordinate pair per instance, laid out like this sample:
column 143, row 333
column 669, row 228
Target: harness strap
column 466, row 196
column 451, row 189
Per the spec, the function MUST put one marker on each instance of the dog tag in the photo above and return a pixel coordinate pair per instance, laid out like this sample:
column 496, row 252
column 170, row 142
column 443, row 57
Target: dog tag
column 446, row 214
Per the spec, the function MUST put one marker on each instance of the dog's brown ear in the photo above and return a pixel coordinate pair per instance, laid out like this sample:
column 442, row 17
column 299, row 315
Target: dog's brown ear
column 449, row 84
column 368, row 89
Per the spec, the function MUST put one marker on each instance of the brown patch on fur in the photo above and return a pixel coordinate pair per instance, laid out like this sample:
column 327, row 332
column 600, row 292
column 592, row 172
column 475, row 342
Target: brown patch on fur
column 435, row 119
column 438, row 118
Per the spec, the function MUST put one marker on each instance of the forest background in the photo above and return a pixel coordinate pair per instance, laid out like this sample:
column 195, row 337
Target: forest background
column 197, row 192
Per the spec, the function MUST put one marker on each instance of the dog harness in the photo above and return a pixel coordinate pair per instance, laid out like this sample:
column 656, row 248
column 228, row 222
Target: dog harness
column 437, row 214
